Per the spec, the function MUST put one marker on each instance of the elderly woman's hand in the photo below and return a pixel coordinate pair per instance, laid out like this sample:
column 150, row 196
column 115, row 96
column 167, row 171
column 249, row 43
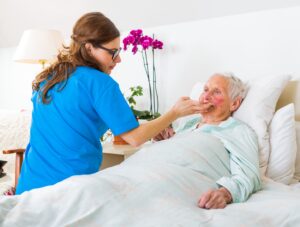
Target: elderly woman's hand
column 215, row 199
column 164, row 134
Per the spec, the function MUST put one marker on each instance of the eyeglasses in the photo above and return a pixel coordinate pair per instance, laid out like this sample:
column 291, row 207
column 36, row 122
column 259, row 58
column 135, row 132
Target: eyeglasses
column 114, row 52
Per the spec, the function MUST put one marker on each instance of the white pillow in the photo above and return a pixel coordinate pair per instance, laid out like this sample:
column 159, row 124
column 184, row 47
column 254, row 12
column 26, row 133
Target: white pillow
column 258, row 108
column 281, row 166
column 297, row 164
column 197, row 90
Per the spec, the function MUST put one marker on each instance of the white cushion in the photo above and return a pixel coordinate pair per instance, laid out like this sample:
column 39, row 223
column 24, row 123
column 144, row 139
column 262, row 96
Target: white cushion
column 297, row 164
column 14, row 133
column 258, row 108
column 281, row 166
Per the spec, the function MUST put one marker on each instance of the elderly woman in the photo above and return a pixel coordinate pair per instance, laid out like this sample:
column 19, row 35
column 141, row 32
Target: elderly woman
column 222, row 95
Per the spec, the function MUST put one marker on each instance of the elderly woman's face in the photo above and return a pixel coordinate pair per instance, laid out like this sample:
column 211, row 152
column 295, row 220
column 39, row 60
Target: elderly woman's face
column 216, row 94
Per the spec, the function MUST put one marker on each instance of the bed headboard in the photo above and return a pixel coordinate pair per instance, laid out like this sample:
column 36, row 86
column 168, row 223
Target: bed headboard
column 291, row 94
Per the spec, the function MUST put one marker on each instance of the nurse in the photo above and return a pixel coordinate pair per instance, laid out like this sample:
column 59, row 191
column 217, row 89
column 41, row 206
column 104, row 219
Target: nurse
column 75, row 101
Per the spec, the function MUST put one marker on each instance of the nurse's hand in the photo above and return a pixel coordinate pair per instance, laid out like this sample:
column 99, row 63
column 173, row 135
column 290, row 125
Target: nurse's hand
column 206, row 108
column 186, row 106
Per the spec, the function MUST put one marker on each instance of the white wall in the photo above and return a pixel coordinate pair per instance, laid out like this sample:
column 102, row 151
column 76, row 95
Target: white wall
column 250, row 45
column 15, row 81
column 17, row 16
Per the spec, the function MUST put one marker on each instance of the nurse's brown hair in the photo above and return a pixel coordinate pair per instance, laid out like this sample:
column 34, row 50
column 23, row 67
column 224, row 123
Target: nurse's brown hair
column 94, row 28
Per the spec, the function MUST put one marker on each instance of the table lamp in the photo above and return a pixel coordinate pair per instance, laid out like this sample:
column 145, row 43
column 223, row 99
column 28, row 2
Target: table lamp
column 38, row 46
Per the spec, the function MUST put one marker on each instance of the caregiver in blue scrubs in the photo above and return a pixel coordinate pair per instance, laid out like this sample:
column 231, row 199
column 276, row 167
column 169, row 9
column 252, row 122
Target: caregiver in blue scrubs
column 75, row 101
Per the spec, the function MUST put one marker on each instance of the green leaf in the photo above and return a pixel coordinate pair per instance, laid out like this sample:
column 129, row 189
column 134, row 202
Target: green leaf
column 132, row 101
column 135, row 91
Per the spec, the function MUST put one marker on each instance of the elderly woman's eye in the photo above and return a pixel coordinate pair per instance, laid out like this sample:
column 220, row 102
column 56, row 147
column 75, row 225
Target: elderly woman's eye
column 217, row 92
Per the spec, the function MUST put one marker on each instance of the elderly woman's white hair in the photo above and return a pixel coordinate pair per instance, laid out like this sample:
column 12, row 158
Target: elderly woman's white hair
column 237, row 88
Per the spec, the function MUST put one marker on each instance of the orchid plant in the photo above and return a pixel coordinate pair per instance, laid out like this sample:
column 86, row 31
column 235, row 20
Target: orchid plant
column 143, row 43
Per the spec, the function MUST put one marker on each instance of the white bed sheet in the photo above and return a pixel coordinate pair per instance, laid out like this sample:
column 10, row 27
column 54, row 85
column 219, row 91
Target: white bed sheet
column 158, row 192
column 121, row 203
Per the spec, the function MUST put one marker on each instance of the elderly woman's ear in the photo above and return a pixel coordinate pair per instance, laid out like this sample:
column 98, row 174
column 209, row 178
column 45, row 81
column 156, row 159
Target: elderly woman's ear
column 235, row 104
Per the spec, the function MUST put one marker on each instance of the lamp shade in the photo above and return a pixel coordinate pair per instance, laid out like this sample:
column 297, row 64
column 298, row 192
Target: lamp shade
column 38, row 46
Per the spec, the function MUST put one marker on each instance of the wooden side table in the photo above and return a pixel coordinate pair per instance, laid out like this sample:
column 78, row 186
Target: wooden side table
column 115, row 154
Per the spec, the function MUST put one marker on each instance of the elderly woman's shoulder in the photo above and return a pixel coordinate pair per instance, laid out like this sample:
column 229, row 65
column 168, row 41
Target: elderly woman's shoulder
column 243, row 125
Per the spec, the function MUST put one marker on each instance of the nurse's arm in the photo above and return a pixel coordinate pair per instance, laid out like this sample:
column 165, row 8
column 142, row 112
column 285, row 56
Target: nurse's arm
column 144, row 132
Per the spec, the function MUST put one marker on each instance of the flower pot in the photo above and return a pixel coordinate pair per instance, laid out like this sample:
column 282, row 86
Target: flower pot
column 117, row 140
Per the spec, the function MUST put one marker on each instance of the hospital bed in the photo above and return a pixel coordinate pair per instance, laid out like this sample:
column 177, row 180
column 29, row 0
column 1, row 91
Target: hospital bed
column 161, row 184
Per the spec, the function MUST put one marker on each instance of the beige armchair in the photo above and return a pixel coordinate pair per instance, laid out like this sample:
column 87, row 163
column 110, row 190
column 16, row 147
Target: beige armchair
column 14, row 137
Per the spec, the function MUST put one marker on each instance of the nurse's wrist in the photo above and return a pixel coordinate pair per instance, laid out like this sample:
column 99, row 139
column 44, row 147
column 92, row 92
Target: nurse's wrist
column 172, row 115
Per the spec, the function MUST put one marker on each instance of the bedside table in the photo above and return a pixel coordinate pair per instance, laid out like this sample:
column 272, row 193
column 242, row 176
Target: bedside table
column 115, row 154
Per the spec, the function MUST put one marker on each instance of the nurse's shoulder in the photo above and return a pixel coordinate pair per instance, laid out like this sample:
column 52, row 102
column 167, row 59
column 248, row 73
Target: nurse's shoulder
column 93, row 77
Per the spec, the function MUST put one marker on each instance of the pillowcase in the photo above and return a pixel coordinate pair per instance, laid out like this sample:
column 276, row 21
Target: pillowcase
column 197, row 90
column 258, row 108
column 281, row 166
column 297, row 164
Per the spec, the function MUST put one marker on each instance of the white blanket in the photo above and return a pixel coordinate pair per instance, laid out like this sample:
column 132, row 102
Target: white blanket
column 158, row 186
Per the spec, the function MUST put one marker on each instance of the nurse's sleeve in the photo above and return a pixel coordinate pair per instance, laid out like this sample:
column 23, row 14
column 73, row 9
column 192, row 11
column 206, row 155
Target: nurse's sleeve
column 115, row 111
column 244, row 165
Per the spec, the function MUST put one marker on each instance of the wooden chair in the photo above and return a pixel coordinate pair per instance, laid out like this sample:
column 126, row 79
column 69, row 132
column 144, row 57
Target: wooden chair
column 18, row 162
column 14, row 136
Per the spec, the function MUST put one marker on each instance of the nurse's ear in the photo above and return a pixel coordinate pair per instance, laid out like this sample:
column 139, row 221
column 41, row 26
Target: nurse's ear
column 89, row 47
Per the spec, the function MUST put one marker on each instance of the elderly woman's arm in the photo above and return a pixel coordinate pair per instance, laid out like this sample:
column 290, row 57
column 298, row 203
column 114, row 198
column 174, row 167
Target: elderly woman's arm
column 241, row 142
column 243, row 182
column 244, row 164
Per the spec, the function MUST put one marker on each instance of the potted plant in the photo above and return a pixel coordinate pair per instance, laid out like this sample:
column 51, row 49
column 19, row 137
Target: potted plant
column 139, row 114
column 147, row 46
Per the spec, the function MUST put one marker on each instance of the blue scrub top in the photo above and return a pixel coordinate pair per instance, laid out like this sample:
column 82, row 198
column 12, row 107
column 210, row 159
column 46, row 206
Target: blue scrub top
column 65, row 134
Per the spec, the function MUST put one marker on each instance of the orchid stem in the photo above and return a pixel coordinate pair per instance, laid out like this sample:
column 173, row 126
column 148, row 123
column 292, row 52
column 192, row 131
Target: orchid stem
column 146, row 67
